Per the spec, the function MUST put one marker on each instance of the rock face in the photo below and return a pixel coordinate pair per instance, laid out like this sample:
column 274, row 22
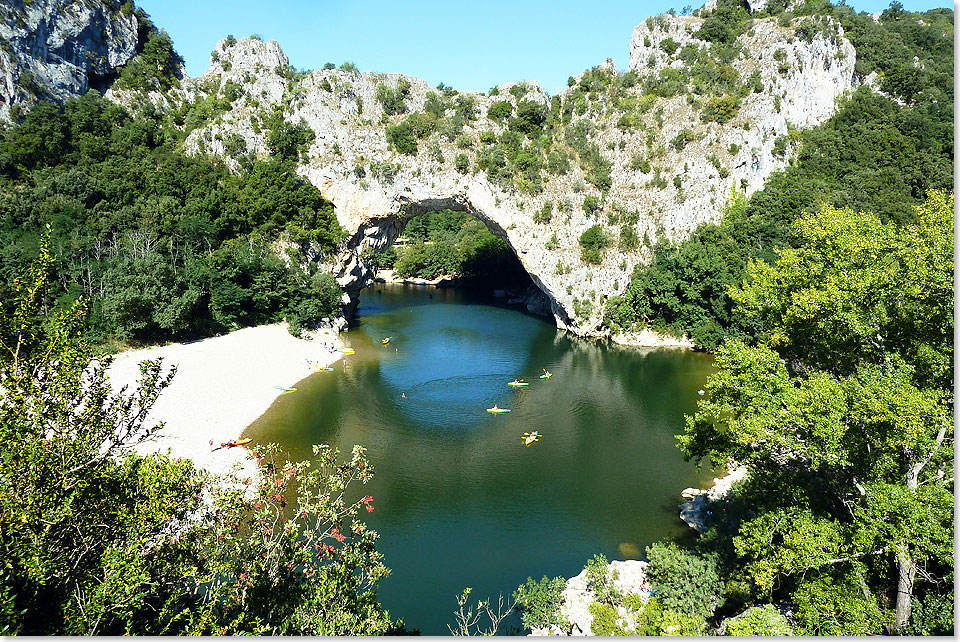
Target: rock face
column 630, row 575
column 376, row 189
column 60, row 48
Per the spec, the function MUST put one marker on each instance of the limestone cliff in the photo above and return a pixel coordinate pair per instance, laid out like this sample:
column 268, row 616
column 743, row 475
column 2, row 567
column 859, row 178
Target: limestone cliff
column 671, row 168
column 60, row 48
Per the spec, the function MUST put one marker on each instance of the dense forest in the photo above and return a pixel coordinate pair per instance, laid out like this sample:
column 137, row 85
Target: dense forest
column 164, row 246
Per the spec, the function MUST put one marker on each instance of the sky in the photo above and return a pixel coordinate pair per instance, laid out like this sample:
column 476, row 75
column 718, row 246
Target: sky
column 471, row 46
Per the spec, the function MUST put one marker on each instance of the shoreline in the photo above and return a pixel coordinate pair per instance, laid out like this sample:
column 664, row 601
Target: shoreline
column 222, row 385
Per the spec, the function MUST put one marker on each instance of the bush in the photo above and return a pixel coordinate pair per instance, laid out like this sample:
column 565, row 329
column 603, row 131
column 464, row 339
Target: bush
column 462, row 163
column 393, row 100
column 544, row 214
column 670, row 46
column 530, row 118
column 684, row 581
column 540, row 602
column 592, row 243
column 500, row 111
column 402, row 138
column 720, row 109
column 591, row 204
column 759, row 620
column 683, row 137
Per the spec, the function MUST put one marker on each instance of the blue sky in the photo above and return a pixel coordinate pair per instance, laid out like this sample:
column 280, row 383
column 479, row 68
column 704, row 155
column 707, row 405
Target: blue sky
column 468, row 45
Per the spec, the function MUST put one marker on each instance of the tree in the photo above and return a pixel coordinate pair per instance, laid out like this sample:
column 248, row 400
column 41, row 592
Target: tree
column 843, row 413
column 98, row 540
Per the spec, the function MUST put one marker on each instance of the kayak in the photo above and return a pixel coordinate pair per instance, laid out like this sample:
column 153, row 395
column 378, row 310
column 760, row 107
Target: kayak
column 385, row 341
column 285, row 388
column 498, row 411
column 238, row 442
column 546, row 376
column 346, row 350
column 518, row 384
column 529, row 438
column 322, row 368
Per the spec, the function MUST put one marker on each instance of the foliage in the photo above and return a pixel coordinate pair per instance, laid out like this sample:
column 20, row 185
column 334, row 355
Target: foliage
column 164, row 246
column 393, row 99
column 289, row 141
column 725, row 23
column 98, row 540
column 452, row 243
column 155, row 67
column 843, row 415
column 682, row 581
column 402, row 138
column 759, row 620
column 872, row 155
column 600, row 580
column 540, row 602
column 500, row 111
column 932, row 614
column 592, row 243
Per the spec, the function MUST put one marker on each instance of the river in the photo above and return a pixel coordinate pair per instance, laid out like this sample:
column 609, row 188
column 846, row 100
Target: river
column 460, row 501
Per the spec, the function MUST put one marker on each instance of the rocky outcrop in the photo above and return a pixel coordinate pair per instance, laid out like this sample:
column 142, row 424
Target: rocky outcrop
column 376, row 189
column 628, row 576
column 61, row 48
column 696, row 510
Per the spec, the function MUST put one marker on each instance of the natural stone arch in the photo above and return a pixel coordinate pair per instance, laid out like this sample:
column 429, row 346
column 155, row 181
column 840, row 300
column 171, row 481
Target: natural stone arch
column 376, row 234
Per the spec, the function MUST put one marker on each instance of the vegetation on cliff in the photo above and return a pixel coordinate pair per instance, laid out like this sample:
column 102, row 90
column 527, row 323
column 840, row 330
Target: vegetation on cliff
column 163, row 245
column 873, row 155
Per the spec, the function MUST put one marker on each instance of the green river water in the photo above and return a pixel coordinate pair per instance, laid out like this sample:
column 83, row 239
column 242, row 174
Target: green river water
column 460, row 502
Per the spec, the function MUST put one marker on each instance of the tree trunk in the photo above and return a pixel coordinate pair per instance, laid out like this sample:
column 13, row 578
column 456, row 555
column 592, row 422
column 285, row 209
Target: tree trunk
column 907, row 571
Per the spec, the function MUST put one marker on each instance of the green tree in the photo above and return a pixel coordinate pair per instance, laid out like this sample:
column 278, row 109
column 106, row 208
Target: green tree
column 843, row 413
column 97, row 540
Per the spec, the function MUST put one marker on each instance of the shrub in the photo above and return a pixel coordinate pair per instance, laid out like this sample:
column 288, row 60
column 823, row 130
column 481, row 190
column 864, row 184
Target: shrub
column 540, row 602
column 530, row 118
column 592, row 243
column 544, row 214
column 519, row 90
column 591, row 204
column 670, row 46
column 385, row 171
column 684, row 581
column 462, row 163
column 720, row 109
column 759, row 620
column 393, row 100
column 629, row 240
column 683, row 137
column 402, row 138
column 500, row 111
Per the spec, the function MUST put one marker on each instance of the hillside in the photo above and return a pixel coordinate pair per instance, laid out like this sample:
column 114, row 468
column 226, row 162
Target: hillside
column 586, row 187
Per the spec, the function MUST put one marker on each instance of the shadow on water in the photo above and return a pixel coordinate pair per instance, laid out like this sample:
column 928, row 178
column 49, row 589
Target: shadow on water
column 459, row 500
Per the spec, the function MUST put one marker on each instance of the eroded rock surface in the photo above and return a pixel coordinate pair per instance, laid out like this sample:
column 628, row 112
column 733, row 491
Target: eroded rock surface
column 376, row 189
column 60, row 48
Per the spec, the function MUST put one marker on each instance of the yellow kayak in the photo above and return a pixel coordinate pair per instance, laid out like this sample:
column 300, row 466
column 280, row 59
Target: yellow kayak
column 498, row 411
column 346, row 350
column 530, row 437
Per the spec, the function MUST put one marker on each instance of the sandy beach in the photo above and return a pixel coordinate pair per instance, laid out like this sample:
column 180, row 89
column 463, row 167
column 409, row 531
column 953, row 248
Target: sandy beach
column 222, row 385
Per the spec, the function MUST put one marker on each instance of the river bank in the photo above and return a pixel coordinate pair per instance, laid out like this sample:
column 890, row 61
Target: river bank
column 222, row 385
